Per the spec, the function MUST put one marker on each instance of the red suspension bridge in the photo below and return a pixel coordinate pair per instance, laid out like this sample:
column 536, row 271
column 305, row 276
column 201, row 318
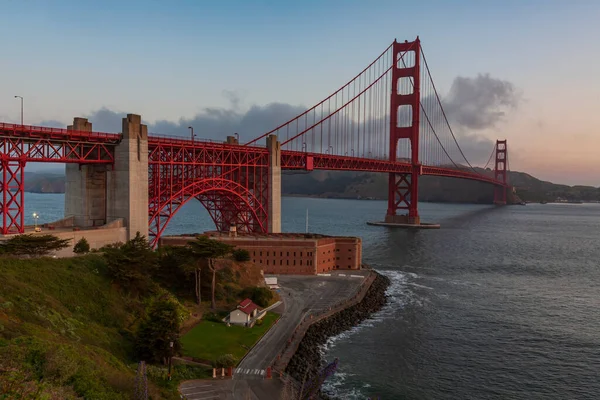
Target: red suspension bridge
column 389, row 119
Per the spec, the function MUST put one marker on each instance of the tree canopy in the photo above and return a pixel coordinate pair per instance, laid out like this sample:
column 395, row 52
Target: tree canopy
column 207, row 248
column 33, row 245
column 157, row 331
column 131, row 264
column 81, row 247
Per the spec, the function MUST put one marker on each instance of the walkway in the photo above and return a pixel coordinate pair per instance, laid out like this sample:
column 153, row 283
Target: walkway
column 284, row 357
column 302, row 296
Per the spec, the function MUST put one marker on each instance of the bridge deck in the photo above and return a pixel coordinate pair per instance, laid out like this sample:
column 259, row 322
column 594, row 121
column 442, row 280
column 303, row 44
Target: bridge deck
column 290, row 160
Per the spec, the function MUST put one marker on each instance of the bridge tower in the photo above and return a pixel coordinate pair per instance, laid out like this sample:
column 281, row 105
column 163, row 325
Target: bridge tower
column 96, row 195
column 500, row 172
column 85, row 187
column 274, row 179
column 403, row 189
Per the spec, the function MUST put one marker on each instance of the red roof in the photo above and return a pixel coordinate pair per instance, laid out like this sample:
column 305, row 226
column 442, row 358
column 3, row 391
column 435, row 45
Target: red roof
column 245, row 303
column 247, row 306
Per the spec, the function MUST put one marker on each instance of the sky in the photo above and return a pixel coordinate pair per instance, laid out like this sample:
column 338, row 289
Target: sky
column 229, row 62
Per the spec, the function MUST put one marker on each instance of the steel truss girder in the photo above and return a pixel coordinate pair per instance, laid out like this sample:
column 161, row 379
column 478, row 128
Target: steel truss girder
column 12, row 203
column 230, row 181
column 46, row 150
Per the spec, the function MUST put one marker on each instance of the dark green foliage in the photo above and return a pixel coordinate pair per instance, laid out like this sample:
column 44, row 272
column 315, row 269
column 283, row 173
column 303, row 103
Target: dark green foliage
column 260, row 295
column 207, row 248
column 175, row 270
column 225, row 361
column 132, row 264
column 155, row 333
column 213, row 317
column 32, row 245
column 82, row 246
column 241, row 255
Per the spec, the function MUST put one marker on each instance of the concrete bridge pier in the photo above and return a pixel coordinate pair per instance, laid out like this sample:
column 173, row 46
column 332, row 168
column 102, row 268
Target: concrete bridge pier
column 85, row 188
column 97, row 195
column 127, row 194
column 274, row 178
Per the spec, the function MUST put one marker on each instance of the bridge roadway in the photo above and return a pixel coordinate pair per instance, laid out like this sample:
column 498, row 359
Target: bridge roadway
column 43, row 144
column 301, row 295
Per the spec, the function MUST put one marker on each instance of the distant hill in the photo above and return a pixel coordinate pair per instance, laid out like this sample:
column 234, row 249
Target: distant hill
column 42, row 182
column 342, row 184
column 334, row 184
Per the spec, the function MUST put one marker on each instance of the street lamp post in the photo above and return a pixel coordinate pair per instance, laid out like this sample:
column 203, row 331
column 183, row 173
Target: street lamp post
column 192, row 133
column 237, row 137
column 35, row 218
column 170, row 357
column 21, row 97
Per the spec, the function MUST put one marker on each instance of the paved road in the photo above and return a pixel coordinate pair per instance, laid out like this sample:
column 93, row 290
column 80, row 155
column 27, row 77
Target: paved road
column 301, row 295
column 227, row 389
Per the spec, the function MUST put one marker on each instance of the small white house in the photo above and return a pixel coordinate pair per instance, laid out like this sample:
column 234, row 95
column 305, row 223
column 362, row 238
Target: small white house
column 238, row 317
column 244, row 313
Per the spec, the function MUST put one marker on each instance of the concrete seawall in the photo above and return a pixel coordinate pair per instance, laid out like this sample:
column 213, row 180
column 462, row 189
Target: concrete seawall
column 301, row 357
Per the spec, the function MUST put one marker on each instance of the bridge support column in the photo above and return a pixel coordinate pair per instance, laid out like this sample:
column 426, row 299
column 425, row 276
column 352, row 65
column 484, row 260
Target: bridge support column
column 403, row 191
column 127, row 195
column 12, row 199
column 274, row 180
column 403, row 188
column 500, row 172
column 85, row 187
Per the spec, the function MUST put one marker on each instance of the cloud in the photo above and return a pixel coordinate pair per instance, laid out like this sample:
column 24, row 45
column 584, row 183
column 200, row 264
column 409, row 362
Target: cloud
column 481, row 102
column 472, row 105
column 210, row 123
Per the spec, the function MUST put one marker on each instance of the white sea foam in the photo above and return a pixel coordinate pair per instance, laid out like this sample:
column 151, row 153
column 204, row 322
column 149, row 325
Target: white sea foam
column 398, row 295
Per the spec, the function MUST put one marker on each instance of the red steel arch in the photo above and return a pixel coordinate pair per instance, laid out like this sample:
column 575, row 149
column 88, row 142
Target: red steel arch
column 226, row 201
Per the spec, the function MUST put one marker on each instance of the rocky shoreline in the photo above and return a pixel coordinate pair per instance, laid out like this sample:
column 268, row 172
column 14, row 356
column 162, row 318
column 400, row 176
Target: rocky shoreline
column 306, row 362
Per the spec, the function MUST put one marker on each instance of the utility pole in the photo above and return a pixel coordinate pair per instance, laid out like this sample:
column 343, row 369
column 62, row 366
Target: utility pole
column 170, row 357
column 307, row 220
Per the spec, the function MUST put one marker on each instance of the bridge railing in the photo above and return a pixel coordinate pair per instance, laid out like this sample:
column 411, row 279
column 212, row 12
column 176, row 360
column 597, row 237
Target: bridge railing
column 54, row 132
column 181, row 140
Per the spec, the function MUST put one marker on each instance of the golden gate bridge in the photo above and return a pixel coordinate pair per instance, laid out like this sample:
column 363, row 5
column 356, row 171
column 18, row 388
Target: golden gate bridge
column 387, row 119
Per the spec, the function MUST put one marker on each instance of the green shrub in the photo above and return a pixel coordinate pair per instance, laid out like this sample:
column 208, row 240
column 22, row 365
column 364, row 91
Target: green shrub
column 260, row 295
column 213, row 317
column 82, row 246
column 225, row 361
column 32, row 245
column 241, row 255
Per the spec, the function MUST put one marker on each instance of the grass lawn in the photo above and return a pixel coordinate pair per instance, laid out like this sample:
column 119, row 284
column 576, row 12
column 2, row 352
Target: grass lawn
column 209, row 340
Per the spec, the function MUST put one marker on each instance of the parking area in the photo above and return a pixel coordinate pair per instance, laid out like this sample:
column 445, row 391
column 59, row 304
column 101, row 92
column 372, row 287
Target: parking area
column 301, row 295
column 206, row 390
column 228, row 389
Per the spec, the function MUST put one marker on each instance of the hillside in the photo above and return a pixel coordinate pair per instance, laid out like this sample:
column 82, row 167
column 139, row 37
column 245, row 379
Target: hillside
column 64, row 329
column 339, row 184
column 68, row 330
column 333, row 184
column 36, row 182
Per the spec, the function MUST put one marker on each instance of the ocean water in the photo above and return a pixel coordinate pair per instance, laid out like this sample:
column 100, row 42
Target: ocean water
column 501, row 303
